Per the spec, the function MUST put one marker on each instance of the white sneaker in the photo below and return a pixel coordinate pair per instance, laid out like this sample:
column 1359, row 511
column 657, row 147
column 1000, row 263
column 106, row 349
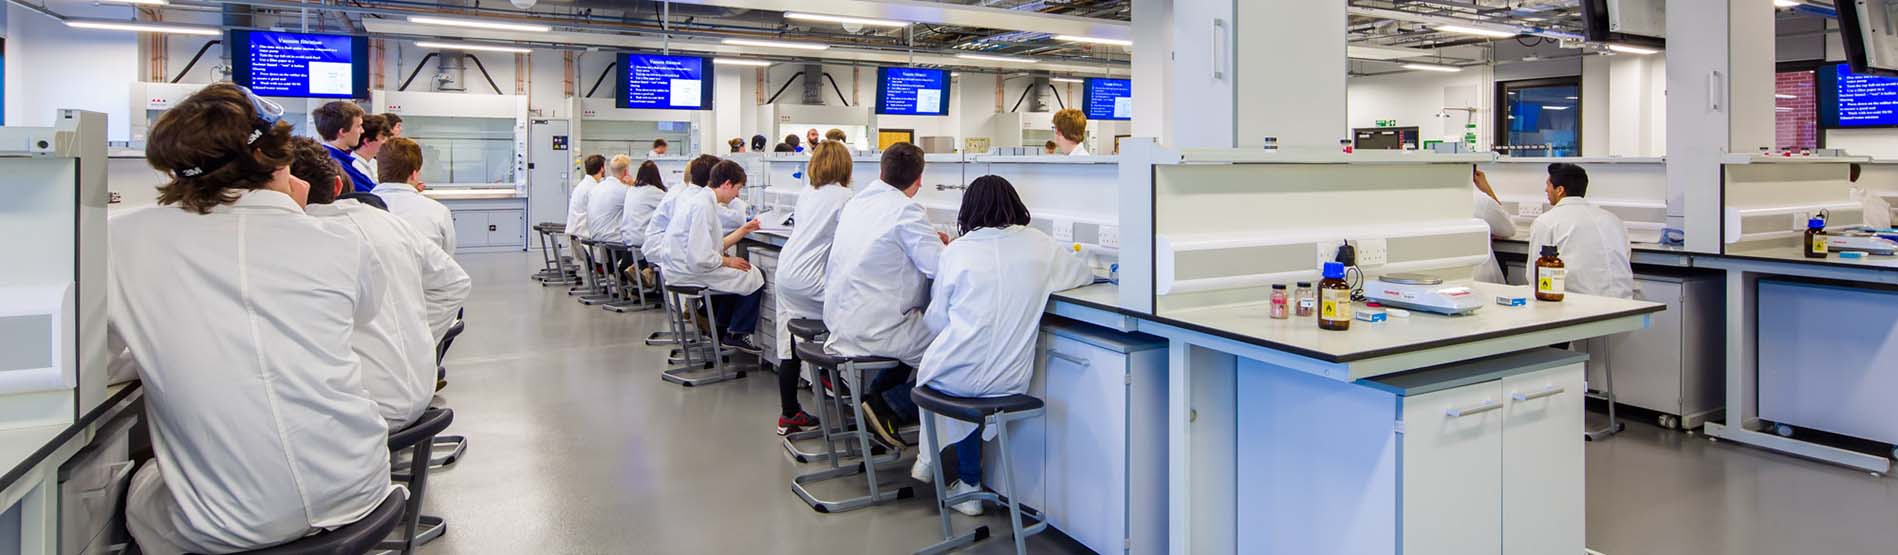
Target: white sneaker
column 921, row 472
column 972, row 507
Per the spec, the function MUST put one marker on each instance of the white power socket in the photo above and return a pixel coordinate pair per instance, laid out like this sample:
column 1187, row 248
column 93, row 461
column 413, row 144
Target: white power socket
column 1373, row 252
column 1110, row 236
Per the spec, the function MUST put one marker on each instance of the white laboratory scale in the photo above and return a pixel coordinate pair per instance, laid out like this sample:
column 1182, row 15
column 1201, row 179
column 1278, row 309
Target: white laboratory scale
column 1423, row 292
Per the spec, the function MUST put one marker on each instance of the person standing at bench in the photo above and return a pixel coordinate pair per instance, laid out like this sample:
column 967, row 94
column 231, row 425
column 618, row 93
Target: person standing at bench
column 237, row 309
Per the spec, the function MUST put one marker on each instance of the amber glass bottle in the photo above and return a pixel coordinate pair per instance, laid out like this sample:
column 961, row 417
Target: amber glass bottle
column 1550, row 273
column 1334, row 299
column 1815, row 238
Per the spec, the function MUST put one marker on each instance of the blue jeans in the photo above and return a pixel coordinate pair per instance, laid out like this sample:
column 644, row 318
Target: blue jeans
column 969, row 459
column 740, row 312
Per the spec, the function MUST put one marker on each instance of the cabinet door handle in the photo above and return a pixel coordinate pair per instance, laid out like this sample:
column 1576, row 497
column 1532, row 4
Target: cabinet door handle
column 1219, row 30
column 1071, row 359
column 1546, row 391
column 491, row 227
column 1485, row 406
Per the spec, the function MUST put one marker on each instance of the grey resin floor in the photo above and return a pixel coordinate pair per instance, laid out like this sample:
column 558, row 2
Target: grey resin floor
column 576, row 446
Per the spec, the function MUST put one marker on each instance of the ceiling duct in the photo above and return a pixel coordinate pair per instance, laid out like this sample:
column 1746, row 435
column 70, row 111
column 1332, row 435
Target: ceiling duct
column 813, row 84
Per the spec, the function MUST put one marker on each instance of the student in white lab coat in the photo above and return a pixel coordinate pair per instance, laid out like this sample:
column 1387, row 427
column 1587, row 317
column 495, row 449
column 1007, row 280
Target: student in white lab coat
column 696, row 171
column 877, row 283
column 1877, row 210
column 800, row 276
column 237, row 309
column 1592, row 242
column 1490, row 210
column 985, row 308
column 641, row 200
column 595, row 166
column 400, row 164
column 696, row 255
column 423, row 288
column 606, row 203
column 659, row 148
column 1070, row 128
column 375, row 132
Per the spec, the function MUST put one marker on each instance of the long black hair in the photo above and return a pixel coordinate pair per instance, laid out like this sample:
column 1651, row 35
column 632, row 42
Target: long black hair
column 649, row 176
column 991, row 201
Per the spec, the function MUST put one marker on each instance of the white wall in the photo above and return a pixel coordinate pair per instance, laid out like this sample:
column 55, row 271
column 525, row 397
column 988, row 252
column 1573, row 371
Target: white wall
column 50, row 66
column 1624, row 101
column 1416, row 98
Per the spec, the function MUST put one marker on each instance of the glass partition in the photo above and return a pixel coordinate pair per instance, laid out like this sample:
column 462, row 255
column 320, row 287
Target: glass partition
column 463, row 151
column 633, row 138
column 1540, row 118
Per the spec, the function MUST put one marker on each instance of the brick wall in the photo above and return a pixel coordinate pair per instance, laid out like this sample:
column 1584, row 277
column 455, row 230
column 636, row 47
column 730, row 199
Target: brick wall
column 1796, row 118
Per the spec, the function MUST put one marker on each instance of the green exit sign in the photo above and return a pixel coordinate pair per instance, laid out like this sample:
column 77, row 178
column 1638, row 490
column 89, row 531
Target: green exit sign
column 1387, row 123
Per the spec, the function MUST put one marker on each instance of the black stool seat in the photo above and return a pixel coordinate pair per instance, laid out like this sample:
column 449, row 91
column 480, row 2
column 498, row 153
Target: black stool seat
column 814, row 353
column 686, row 289
column 610, row 245
column 432, row 422
column 807, row 329
column 354, row 538
column 970, row 409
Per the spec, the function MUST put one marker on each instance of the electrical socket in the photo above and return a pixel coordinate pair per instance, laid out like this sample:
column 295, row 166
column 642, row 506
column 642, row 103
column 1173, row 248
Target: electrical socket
column 1064, row 231
column 1373, row 252
column 1110, row 236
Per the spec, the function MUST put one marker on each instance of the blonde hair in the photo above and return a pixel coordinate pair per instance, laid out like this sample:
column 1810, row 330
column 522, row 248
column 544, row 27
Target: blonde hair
column 1071, row 124
column 830, row 164
column 620, row 164
column 835, row 134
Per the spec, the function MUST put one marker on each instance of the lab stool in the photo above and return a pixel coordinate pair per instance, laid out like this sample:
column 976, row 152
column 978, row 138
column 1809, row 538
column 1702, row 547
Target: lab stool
column 662, row 337
column 554, row 270
column 447, row 449
column 600, row 289
column 630, row 291
column 583, row 273
column 851, row 369
column 994, row 412
column 418, row 528
column 355, row 538
column 831, row 426
column 697, row 351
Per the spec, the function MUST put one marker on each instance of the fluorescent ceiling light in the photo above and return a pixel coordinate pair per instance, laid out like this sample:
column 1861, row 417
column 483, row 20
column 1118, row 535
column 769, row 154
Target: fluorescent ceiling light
column 1094, row 40
column 1574, row 98
column 466, row 46
column 955, row 74
column 1786, row 3
column 1782, row 109
column 1784, row 96
column 479, row 24
column 776, row 44
column 1433, row 67
column 1064, row 80
column 1554, row 107
column 139, row 2
column 143, row 27
column 1631, row 49
column 738, row 62
column 988, row 58
column 1477, row 31
column 844, row 19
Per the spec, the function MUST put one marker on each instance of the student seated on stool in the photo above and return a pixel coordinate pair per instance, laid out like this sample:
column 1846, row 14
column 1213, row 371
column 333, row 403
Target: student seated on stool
column 986, row 305
column 238, row 309
column 697, row 171
column 397, row 349
column 696, row 255
column 877, row 283
column 400, row 164
column 800, row 275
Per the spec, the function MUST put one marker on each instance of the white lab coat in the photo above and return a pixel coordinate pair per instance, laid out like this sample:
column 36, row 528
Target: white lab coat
column 1080, row 149
column 655, row 245
column 426, row 215
column 986, row 308
column 1877, row 210
column 577, row 206
column 240, row 323
column 1593, row 244
column 424, row 288
column 1500, row 227
column 696, row 249
column 606, row 203
column 636, row 212
column 800, row 275
column 365, row 165
column 733, row 214
column 877, row 279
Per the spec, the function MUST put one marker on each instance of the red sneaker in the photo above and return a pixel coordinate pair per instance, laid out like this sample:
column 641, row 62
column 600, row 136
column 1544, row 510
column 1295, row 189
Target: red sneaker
column 795, row 423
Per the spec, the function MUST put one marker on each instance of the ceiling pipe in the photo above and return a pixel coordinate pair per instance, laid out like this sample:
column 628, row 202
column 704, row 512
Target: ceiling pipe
column 1414, row 17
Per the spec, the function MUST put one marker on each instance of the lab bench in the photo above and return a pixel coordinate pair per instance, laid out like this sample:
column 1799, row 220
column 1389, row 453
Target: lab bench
column 62, row 483
column 486, row 220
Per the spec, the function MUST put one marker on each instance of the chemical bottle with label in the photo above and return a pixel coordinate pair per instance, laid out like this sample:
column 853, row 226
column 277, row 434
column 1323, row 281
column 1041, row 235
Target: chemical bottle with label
column 1305, row 302
column 1281, row 304
column 1550, row 275
column 1334, row 299
column 1815, row 241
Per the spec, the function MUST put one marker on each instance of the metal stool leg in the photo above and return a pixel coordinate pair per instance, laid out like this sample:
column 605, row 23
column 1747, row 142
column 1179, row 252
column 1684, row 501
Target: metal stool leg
column 596, row 292
column 1608, row 392
column 713, row 349
column 667, row 337
column 830, row 425
column 867, row 466
column 626, row 298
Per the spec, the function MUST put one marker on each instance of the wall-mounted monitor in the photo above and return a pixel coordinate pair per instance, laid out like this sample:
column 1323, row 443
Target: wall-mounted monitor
column 1108, row 99
column 301, row 65
column 656, row 81
column 1634, row 22
column 912, row 91
column 1867, row 33
column 1849, row 99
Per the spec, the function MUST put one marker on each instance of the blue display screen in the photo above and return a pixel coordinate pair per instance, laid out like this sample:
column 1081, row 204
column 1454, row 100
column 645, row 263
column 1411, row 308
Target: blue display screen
column 1848, row 99
column 661, row 82
column 1109, row 98
column 910, row 91
column 301, row 65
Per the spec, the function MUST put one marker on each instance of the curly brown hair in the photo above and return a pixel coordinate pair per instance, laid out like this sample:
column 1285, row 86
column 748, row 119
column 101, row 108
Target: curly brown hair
column 205, row 145
column 311, row 162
